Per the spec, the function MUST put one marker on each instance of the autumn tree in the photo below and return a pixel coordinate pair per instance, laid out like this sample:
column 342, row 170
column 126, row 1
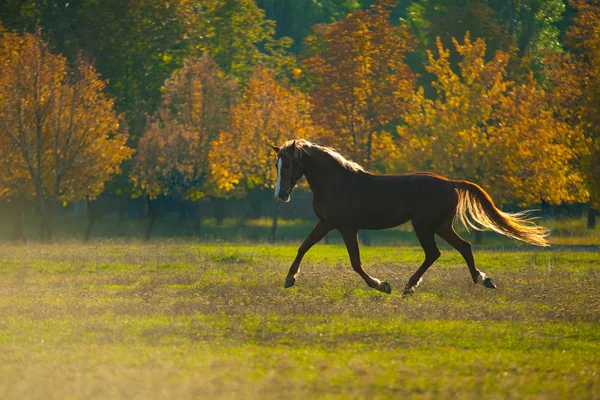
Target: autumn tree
column 235, row 33
column 137, row 45
column 172, row 156
column 59, row 134
column 359, row 83
column 241, row 159
column 575, row 77
column 485, row 128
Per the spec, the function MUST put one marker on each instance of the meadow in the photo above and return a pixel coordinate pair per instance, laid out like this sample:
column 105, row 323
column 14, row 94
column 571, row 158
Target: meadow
column 179, row 319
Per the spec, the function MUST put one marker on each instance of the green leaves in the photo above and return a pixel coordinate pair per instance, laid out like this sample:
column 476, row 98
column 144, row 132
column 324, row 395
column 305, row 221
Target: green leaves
column 269, row 113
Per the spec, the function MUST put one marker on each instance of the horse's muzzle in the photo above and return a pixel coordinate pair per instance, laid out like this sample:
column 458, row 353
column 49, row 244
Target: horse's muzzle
column 284, row 195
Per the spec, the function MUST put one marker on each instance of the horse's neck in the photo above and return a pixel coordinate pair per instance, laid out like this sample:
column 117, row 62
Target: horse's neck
column 322, row 174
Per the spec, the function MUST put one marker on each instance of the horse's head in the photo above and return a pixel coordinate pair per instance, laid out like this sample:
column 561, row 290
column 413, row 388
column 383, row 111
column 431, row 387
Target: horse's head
column 289, row 170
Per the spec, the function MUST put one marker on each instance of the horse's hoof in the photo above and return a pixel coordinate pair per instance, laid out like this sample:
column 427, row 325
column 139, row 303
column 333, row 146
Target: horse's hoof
column 489, row 283
column 385, row 287
column 485, row 281
column 408, row 292
column 289, row 283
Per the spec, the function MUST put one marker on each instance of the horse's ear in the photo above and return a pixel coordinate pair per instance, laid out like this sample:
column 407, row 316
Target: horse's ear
column 276, row 149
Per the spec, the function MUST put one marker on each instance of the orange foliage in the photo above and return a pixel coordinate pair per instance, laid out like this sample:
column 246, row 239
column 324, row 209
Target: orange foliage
column 59, row 135
column 268, row 113
column 576, row 88
column 173, row 152
column 487, row 129
column 360, row 82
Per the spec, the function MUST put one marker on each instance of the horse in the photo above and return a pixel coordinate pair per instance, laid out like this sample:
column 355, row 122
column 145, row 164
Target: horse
column 348, row 198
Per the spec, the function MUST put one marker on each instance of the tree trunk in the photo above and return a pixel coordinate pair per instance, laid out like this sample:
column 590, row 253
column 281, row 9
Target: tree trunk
column 199, row 218
column 183, row 211
column 48, row 220
column 45, row 210
column 591, row 218
column 275, row 221
column 18, row 233
column 255, row 202
column 242, row 220
column 41, row 211
column 123, row 203
column 152, row 214
column 91, row 214
column 219, row 209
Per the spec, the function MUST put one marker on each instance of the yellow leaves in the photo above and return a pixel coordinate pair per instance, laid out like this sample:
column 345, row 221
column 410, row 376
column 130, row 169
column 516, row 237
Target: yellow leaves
column 296, row 73
column 194, row 194
column 269, row 113
column 487, row 129
column 577, row 87
column 361, row 84
column 59, row 133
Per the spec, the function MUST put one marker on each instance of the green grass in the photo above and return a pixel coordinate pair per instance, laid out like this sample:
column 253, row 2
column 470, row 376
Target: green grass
column 181, row 320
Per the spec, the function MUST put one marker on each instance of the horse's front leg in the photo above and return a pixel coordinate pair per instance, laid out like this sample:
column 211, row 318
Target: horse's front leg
column 351, row 240
column 318, row 233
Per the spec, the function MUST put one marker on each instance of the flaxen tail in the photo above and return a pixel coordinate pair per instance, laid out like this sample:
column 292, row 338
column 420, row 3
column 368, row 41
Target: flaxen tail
column 477, row 210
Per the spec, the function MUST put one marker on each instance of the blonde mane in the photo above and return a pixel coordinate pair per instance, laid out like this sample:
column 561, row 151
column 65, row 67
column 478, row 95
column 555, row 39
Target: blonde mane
column 302, row 145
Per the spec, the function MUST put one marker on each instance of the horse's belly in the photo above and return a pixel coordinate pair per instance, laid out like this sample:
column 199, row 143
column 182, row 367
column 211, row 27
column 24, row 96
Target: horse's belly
column 382, row 220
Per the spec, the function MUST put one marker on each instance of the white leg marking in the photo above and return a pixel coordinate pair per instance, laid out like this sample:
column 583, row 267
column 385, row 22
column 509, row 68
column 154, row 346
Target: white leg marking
column 278, row 184
column 408, row 292
column 481, row 278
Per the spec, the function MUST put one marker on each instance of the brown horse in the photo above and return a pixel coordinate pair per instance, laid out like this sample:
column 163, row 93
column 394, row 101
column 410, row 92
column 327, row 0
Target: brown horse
column 348, row 198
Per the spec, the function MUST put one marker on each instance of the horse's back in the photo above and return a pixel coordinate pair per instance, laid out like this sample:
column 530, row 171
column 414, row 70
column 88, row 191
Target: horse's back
column 417, row 185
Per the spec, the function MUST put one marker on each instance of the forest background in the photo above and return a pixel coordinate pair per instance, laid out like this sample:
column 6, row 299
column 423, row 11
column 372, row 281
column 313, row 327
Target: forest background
column 142, row 108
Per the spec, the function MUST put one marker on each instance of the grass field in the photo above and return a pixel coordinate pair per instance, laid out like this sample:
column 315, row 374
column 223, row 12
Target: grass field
column 180, row 320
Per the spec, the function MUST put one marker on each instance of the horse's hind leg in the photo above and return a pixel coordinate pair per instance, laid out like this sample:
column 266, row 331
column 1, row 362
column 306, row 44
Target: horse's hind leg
column 464, row 248
column 426, row 237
